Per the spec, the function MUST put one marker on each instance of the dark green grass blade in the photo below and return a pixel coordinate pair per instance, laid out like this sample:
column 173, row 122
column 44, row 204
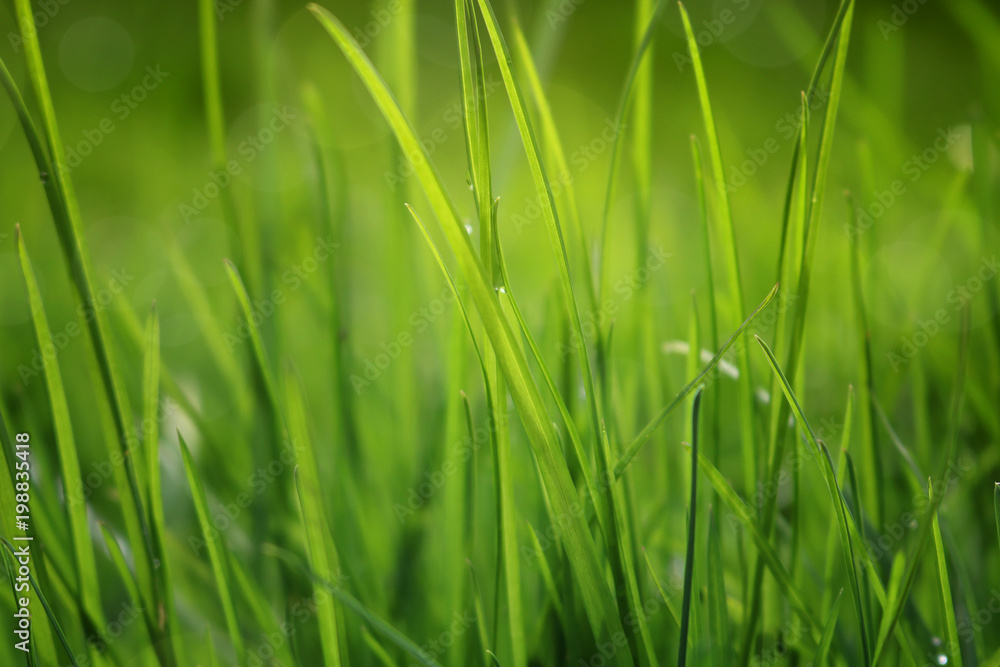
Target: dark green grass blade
column 215, row 547
column 118, row 558
column 41, row 635
column 820, row 451
column 598, row 602
column 648, row 430
column 954, row 646
column 88, row 584
column 692, row 534
column 996, row 507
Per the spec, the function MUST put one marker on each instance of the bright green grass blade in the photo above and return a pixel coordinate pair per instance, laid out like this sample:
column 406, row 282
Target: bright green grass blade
column 863, row 583
column 718, row 609
column 215, row 547
column 823, row 650
column 88, row 584
column 642, row 122
column 42, row 638
column 767, row 552
column 954, row 646
column 309, row 483
column 820, row 451
column 597, row 598
column 547, row 578
column 352, row 603
column 574, row 436
column 692, row 534
column 648, row 430
column 831, row 538
column 65, row 213
column 553, row 144
column 727, row 233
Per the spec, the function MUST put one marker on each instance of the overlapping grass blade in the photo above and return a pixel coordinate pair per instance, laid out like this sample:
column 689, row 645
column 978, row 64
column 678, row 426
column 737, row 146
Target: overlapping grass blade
column 823, row 650
column 643, row 436
column 88, row 584
column 692, row 534
column 598, row 602
column 215, row 545
column 718, row 608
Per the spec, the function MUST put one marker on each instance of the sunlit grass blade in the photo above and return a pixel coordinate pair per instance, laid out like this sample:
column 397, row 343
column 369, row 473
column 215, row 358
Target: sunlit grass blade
column 88, row 584
column 598, row 601
column 643, row 436
column 692, row 535
column 954, row 646
column 65, row 212
column 215, row 547
column 822, row 456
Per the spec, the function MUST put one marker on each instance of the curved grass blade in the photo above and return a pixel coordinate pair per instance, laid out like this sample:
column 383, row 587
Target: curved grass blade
column 693, row 512
column 215, row 547
column 654, row 423
column 597, row 600
column 88, row 584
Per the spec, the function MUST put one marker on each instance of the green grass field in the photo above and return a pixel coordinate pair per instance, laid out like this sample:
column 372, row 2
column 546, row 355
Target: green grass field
column 492, row 332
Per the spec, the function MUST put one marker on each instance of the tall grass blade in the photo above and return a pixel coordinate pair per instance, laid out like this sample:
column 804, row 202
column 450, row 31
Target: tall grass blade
column 954, row 646
column 718, row 606
column 692, row 533
column 598, row 601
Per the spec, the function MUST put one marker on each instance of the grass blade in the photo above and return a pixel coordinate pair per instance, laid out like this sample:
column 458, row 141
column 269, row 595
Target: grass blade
column 718, row 608
column 693, row 512
column 954, row 647
column 215, row 547
column 831, row 623
column 646, row 432
column 598, row 602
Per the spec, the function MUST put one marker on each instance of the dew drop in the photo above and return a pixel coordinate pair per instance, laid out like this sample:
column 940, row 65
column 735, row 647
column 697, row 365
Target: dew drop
column 502, row 290
column 468, row 228
column 942, row 659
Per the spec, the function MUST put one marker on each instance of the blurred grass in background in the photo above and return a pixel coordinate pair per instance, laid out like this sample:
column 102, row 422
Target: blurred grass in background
column 296, row 178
